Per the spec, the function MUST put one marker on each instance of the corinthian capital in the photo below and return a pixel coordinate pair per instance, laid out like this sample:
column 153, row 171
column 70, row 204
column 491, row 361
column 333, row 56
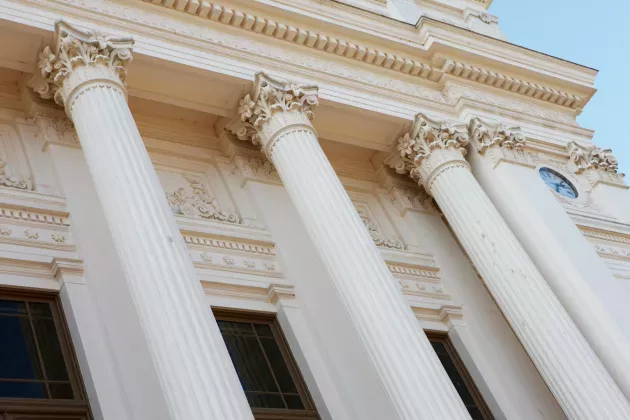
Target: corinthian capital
column 429, row 144
column 272, row 105
column 485, row 135
column 591, row 157
column 74, row 51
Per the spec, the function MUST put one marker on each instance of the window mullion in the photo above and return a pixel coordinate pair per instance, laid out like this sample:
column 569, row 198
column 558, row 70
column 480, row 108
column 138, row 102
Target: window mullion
column 39, row 352
column 273, row 374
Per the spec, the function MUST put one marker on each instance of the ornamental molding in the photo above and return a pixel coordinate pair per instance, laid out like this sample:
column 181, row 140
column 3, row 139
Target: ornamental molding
column 304, row 37
column 232, row 254
column 354, row 51
column 257, row 248
column 428, row 146
column 256, row 168
column 613, row 252
column 416, row 200
column 201, row 204
column 269, row 98
column 380, row 239
column 276, row 294
column 605, row 235
column 507, row 83
column 62, row 67
column 36, row 216
column 455, row 92
column 485, row 135
column 596, row 163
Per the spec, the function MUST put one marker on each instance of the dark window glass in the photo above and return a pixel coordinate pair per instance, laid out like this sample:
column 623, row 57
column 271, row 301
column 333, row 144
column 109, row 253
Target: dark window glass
column 460, row 377
column 18, row 354
column 32, row 364
column 38, row 378
column 264, row 366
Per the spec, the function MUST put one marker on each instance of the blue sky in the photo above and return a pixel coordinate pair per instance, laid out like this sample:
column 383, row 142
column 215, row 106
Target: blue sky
column 592, row 33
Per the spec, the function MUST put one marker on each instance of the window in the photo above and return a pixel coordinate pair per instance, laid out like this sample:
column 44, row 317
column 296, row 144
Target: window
column 269, row 376
column 37, row 369
column 460, row 377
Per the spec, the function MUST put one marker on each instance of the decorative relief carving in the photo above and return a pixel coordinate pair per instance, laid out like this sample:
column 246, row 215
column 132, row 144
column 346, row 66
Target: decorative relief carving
column 599, row 164
column 417, row 200
column 254, row 167
column 58, row 237
column 485, row 135
column 73, row 49
column 206, row 257
column 249, row 263
column 31, row 235
column 200, row 204
column 5, row 231
column 15, row 171
column 591, row 157
column 50, row 129
column 605, row 235
column 228, row 260
column 374, row 230
column 7, row 180
column 271, row 95
column 425, row 138
column 613, row 252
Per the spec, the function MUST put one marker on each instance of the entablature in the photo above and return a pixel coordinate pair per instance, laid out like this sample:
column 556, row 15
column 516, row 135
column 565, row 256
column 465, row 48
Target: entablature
column 344, row 60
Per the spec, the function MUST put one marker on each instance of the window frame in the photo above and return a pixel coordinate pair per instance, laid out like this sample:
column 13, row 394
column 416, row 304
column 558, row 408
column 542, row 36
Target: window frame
column 442, row 337
column 24, row 408
column 310, row 411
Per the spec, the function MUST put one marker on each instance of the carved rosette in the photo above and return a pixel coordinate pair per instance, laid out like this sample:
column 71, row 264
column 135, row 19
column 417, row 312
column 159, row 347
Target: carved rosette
column 485, row 135
column 583, row 158
column 273, row 107
column 429, row 147
column 78, row 58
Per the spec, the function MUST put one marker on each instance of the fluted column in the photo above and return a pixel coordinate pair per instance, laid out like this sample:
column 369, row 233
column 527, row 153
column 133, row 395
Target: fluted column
column 85, row 73
column 433, row 154
column 277, row 116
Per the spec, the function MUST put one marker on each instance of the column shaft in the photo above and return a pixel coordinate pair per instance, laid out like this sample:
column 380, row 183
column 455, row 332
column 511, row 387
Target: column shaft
column 574, row 374
column 404, row 359
column 193, row 365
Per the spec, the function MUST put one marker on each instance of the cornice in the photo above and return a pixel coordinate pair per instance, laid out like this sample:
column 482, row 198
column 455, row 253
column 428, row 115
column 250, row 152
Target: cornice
column 511, row 84
column 390, row 60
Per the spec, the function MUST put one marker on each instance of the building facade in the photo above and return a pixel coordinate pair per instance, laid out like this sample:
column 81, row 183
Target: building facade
column 302, row 209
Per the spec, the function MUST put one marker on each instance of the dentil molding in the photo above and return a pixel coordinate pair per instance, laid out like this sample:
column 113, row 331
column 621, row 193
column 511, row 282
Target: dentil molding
column 350, row 50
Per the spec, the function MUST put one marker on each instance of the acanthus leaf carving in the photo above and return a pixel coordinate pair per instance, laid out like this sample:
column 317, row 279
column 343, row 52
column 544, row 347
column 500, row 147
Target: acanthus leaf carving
column 591, row 157
column 485, row 135
column 428, row 136
column 255, row 167
column 201, row 204
column 73, row 48
column 270, row 96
